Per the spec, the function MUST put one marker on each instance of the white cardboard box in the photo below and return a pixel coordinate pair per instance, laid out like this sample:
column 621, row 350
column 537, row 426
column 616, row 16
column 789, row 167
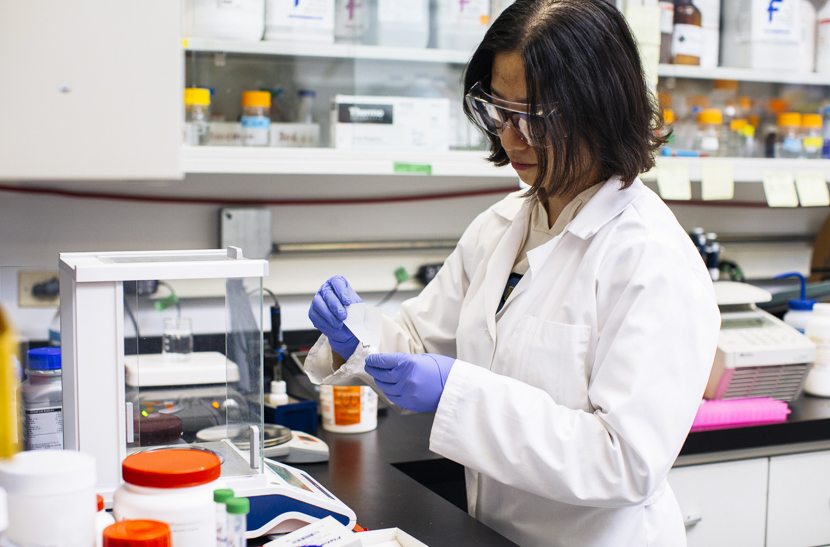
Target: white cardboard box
column 385, row 123
column 761, row 34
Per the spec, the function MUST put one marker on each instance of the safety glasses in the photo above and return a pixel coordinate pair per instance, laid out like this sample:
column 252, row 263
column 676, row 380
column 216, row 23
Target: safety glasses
column 495, row 115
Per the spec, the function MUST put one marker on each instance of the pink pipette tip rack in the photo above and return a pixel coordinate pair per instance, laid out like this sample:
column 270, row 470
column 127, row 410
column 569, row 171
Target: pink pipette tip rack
column 723, row 414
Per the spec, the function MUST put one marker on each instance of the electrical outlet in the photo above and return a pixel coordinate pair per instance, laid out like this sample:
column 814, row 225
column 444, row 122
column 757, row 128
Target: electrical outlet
column 26, row 282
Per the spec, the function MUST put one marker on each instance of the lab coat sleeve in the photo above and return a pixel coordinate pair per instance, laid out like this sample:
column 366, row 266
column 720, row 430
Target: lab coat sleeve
column 657, row 334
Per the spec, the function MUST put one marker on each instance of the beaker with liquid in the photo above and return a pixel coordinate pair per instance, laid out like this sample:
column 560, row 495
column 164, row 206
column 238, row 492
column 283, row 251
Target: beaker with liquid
column 177, row 338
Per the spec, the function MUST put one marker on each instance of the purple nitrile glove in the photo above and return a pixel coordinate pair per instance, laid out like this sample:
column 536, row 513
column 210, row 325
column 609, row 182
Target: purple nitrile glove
column 411, row 381
column 328, row 310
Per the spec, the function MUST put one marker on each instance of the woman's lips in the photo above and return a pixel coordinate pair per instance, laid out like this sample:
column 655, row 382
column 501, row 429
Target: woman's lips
column 521, row 166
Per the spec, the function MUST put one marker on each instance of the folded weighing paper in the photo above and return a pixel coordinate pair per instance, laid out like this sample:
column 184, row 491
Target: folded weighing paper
column 365, row 323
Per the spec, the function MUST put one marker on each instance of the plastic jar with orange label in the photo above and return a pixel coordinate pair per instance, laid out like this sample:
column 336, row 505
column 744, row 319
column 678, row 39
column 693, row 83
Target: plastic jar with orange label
column 174, row 486
column 349, row 409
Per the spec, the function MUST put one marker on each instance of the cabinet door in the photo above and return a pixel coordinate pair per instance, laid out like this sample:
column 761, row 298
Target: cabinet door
column 799, row 500
column 90, row 89
column 723, row 504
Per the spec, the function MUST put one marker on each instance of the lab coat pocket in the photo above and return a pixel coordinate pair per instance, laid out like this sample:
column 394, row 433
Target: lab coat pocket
column 551, row 356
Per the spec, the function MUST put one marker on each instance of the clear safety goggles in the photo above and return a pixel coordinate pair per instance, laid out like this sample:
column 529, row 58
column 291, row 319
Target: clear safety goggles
column 494, row 115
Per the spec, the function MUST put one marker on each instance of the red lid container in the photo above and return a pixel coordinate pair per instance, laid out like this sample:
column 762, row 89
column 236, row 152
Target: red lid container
column 100, row 501
column 171, row 468
column 137, row 533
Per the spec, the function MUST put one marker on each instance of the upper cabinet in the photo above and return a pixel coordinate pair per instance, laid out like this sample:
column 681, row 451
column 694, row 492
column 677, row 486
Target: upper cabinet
column 90, row 90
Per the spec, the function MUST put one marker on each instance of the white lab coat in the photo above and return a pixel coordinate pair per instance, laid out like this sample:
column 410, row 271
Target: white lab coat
column 570, row 410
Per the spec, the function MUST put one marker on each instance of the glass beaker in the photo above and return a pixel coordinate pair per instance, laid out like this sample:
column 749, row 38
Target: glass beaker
column 177, row 338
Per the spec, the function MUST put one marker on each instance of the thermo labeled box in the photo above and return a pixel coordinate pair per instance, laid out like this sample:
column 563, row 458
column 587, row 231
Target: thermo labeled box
column 410, row 123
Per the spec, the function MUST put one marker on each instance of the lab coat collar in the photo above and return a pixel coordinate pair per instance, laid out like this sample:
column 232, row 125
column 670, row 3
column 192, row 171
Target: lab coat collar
column 609, row 202
column 509, row 207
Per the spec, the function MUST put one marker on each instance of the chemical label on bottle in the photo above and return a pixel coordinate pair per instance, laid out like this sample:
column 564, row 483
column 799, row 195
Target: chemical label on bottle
column 395, row 11
column 666, row 17
column 466, row 12
column 346, row 405
column 687, row 40
column 256, row 130
column 792, row 144
column 43, row 428
column 300, row 14
column 812, row 144
column 709, row 144
column 776, row 21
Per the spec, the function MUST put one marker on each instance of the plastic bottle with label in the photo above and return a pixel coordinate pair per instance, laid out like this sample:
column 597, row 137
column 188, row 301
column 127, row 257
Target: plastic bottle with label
column 402, row 24
column 709, row 133
column 818, row 330
column 666, row 29
column 811, row 136
column 461, row 24
column 823, row 40
column 352, row 21
column 299, row 20
column 687, row 38
column 788, row 136
column 237, row 509
column 196, row 116
column 349, row 409
column 733, row 138
column 242, row 20
column 710, row 31
column 256, row 118
column 41, row 400
column 305, row 105
column 747, row 148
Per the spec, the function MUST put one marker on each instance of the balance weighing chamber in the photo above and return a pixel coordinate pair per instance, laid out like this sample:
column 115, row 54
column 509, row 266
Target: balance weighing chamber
column 116, row 395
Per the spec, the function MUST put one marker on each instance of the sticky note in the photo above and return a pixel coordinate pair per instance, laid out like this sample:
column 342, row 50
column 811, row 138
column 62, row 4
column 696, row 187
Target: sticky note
column 779, row 188
column 812, row 189
column 673, row 181
column 644, row 22
column 718, row 181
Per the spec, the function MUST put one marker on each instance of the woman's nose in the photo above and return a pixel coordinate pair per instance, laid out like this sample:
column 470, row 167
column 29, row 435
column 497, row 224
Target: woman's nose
column 510, row 138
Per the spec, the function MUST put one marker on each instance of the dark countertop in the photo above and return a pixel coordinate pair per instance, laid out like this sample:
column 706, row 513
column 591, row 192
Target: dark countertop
column 391, row 479
column 362, row 472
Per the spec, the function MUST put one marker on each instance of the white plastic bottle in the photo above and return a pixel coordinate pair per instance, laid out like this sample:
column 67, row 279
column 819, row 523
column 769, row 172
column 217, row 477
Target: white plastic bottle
column 348, row 409
column 352, row 21
column 461, row 24
column 102, row 520
column 799, row 310
column 403, row 24
column 807, row 57
column 823, row 40
column 818, row 330
column 224, row 19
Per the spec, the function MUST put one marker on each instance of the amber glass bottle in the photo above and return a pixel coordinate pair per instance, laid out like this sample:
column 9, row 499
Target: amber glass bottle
column 687, row 40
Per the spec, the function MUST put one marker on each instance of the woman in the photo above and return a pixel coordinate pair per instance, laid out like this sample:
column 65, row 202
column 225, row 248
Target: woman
column 566, row 342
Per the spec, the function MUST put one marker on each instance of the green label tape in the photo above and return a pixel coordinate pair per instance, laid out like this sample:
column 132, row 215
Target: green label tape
column 413, row 168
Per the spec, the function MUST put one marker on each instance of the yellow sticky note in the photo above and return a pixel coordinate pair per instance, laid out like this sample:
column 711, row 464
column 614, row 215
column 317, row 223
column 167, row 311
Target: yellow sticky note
column 718, row 181
column 644, row 22
column 812, row 189
column 673, row 181
column 779, row 188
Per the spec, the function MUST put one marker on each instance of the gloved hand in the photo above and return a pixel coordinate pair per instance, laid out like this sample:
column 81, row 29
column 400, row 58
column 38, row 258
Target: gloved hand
column 328, row 310
column 414, row 382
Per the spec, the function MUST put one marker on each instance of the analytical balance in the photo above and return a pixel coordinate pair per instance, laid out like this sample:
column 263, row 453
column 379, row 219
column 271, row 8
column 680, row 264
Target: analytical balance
column 758, row 355
column 97, row 290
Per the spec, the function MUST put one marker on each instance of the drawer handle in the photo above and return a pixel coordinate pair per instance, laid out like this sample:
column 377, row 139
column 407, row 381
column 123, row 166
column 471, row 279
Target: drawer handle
column 692, row 519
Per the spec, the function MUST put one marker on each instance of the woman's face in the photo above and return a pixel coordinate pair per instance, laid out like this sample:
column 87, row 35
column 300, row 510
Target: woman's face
column 508, row 83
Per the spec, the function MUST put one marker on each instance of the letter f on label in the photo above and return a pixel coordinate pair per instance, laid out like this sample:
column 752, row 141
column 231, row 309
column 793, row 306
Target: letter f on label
column 772, row 9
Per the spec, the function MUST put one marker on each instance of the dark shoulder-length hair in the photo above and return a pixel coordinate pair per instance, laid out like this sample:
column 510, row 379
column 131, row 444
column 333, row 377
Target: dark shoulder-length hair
column 580, row 57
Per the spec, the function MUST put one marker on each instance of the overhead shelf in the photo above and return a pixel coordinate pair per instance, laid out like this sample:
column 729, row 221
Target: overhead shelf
column 344, row 51
column 742, row 74
column 744, row 169
column 330, row 161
